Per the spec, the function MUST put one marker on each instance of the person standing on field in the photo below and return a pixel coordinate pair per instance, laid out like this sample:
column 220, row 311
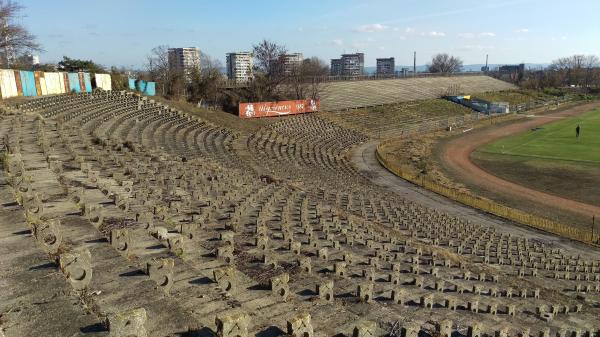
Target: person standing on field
column 577, row 131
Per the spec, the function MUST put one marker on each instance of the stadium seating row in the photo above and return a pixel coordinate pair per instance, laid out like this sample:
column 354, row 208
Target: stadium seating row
column 314, row 248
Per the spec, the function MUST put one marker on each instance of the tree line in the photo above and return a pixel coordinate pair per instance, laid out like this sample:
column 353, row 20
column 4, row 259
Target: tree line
column 578, row 71
column 272, row 79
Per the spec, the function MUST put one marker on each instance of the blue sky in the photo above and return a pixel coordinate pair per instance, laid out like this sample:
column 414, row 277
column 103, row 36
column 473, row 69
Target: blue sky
column 122, row 32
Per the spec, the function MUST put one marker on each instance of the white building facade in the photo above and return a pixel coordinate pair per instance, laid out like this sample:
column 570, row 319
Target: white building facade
column 240, row 66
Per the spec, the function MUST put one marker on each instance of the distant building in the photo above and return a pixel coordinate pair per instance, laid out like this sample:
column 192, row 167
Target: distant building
column 337, row 67
column 239, row 66
column 185, row 60
column 511, row 73
column 291, row 62
column 348, row 65
column 354, row 64
column 32, row 60
column 386, row 66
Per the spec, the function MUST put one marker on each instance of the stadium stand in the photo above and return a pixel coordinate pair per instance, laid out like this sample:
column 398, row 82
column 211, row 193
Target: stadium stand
column 347, row 95
column 320, row 251
column 395, row 119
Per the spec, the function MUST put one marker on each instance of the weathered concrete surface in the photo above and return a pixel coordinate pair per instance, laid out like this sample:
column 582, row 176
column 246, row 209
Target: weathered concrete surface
column 35, row 299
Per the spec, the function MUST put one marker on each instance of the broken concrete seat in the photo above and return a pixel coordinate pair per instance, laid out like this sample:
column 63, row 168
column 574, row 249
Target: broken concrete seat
column 300, row 326
column 161, row 272
column 364, row 292
column 48, row 234
column 76, row 265
column 279, row 286
column 225, row 278
column 145, row 219
column 77, row 195
column 365, row 329
column 128, row 323
column 325, row 291
column 33, row 204
column 226, row 253
column 93, row 212
column 233, row 324
column 121, row 240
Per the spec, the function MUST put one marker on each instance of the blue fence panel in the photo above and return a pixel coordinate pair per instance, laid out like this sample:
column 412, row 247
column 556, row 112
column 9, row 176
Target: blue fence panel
column 141, row 86
column 132, row 84
column 28, row 83
column 150, row 89
column 88, row 82
column 74, row 82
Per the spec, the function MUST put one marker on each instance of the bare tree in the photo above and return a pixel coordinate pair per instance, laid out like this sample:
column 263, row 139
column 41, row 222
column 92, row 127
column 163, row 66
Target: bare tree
column 205, row 86
column 444, row 63
column 305, row 80
column 578, row 70
column 267, row 55
column 170, row 81
column 14, row 38
column 268, row 70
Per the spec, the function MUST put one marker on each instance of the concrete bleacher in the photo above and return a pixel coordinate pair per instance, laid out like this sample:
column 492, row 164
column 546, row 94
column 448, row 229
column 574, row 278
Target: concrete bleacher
column 159, row 227
column 346, row 95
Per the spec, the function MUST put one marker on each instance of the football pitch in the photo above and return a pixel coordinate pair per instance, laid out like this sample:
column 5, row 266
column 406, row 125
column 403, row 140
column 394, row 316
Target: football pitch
column 555, row 140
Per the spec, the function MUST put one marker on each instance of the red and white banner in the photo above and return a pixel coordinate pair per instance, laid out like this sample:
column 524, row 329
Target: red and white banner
column 274, row 109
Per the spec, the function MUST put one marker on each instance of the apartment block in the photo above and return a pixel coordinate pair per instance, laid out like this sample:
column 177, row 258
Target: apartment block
column 239, row 66
column 184, row 59
column 386, row 66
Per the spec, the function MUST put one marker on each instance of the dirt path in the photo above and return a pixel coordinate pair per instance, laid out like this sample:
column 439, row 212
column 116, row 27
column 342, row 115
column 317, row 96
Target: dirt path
column 456, row 155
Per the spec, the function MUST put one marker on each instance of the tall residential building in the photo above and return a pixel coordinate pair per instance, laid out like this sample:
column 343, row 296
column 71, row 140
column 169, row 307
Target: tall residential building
column 239, row 66
column 184, row 59
column 337, row 67
column 348, row 65
column 354, row 64
column 291, row 62
column 386, row 66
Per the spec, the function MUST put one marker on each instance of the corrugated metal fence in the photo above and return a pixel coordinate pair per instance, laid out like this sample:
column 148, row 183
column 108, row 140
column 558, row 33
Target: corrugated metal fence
column 16, row 83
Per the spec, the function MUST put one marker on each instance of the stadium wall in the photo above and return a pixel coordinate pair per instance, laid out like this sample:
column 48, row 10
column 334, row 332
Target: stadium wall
column 21, row 83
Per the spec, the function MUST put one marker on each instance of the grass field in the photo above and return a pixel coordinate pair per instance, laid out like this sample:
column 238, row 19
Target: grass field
column 556, row 141
column 551, row 159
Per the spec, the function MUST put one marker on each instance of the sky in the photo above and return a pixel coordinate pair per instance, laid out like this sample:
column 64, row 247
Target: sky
column 123, row 32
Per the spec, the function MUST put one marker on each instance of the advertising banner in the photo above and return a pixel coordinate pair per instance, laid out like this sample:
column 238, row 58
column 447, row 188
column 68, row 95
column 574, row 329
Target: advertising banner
column 275, row 109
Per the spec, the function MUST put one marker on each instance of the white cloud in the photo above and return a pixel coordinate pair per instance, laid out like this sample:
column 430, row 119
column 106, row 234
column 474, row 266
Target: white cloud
column 473, row 35
column 409, row 30
column 522, row 31
column 372, row 28
column 436, row 34
column 337, row 42
column 466, row 35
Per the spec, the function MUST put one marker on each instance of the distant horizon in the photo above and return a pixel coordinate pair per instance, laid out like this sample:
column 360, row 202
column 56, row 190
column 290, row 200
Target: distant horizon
column 122, row 33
